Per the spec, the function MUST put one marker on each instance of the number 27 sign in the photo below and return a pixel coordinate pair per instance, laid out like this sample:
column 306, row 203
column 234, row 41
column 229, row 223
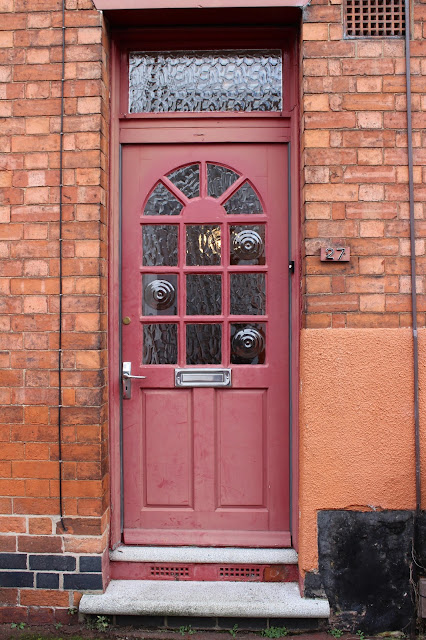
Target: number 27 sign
column 335, row 254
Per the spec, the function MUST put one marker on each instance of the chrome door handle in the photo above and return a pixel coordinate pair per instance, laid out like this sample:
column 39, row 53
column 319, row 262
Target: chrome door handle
column 126, row 375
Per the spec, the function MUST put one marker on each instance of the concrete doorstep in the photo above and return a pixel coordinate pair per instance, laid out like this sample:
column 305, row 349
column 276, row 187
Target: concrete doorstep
column 214, row 555
column 207, row 599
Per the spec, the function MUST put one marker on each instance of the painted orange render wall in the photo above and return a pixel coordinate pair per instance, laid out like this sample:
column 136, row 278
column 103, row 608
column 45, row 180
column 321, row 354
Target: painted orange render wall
column 356, row 424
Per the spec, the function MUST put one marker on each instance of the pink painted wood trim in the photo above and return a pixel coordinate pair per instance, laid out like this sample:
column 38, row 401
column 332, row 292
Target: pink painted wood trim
column 210, row 115
column 296, row 315
column 152, row 38
column 208, row 538
column 113, row 292
column 105, row 5
column 163, row 135
column 113, row 295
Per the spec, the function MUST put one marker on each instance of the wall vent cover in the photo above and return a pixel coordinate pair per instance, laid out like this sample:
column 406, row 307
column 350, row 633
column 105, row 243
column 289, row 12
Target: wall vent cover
column 240, row 573
column 170, row 571
column 374, row 18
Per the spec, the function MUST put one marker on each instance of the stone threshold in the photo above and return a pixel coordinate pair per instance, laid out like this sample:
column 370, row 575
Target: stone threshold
column 205, row 599
column 204, row 555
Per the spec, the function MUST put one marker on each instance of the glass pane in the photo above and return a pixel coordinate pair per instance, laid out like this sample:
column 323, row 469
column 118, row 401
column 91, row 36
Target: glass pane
column 247, row 343
column 205, row 81
column 203, row 343
column 159, row 245
column 187, row 179
column 244, row 200
column 159, row 295
column 219, row 179
column 162, row 203
column 202, row 245
column 248, row 244
column 248, row 294
column 160, row 344
column 203, row 294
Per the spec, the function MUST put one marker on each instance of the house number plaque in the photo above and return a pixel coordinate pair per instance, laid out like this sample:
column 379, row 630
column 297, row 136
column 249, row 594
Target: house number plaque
column 335, row 254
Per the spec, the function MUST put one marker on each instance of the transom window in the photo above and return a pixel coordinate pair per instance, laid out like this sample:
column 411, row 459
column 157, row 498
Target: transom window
column 200, row 81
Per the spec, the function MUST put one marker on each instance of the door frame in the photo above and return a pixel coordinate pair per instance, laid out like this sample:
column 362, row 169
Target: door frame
column 199, row 128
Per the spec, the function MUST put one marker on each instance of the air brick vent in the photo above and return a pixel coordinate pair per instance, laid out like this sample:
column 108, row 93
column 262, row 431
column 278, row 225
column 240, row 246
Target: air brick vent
column 169, row 571
column 240, row 573
column 374, row 18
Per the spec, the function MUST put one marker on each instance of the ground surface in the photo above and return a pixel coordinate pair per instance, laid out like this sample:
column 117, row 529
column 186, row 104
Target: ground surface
column 81, row 632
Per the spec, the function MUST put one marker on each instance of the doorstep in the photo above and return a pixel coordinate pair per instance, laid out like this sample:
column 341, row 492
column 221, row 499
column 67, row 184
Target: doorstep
column 206, row 599
column 203, row 555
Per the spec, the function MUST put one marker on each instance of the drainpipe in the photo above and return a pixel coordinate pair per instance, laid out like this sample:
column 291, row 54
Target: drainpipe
column 61, row 176
column 416, row 539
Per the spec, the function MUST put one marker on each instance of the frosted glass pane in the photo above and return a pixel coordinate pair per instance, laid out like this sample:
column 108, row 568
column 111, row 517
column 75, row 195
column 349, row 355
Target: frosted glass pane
column 203, row 245
column 244, row 200
column 219, row 179
column 203, row 294
column 160, row 344
column 248, row 295
column 187, row 179
column 203, row 343
column 160, row 245
column 205, row 81
column 162, row 202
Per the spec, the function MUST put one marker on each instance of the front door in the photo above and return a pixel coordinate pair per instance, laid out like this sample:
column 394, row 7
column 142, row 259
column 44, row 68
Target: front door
column 205, row 287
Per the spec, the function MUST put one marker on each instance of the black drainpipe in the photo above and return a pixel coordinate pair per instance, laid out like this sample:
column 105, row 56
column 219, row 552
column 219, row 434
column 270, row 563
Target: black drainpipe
column 61, row 152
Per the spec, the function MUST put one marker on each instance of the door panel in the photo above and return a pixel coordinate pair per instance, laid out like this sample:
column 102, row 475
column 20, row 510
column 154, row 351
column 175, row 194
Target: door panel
column 241, row 448
column 167, row 470
column 204, row 285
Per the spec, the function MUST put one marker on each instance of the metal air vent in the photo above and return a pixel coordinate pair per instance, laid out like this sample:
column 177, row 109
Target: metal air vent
column 374, row 18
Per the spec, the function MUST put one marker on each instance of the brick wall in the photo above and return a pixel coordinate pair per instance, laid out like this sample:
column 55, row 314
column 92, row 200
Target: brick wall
column 38, row 557
column 355, row 172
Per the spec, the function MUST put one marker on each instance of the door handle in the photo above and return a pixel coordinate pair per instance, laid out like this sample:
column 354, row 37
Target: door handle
column 127, row 377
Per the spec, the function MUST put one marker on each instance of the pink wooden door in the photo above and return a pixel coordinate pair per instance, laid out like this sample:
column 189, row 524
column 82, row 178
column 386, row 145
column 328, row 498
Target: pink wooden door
column 205, row 286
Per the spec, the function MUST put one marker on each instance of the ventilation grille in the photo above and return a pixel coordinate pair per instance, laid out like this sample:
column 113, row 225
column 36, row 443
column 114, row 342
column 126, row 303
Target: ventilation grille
column 241, row 573
column 169, row 571
column 374, row 18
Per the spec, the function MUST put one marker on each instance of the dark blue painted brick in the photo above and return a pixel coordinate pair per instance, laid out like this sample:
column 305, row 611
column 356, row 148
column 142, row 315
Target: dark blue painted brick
column 83, row 581
column 47, row 581
column 16, row 579
column 91, row 563
column 13, row 560
column 52, row 563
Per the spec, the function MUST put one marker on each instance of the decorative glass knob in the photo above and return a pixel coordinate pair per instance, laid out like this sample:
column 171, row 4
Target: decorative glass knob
column 248, row 343
column 160, row 294
column 247, row 245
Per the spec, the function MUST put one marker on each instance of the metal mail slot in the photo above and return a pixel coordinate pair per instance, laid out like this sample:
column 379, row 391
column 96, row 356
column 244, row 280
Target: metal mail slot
column 202, row 377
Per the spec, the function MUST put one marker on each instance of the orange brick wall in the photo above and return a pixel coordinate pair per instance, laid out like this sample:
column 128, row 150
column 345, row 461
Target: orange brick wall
column 30, row 89
column 354, row 153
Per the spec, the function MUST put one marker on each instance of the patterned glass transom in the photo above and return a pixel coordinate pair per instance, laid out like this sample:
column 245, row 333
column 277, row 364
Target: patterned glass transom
column 194, row 81
column 204, row 279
